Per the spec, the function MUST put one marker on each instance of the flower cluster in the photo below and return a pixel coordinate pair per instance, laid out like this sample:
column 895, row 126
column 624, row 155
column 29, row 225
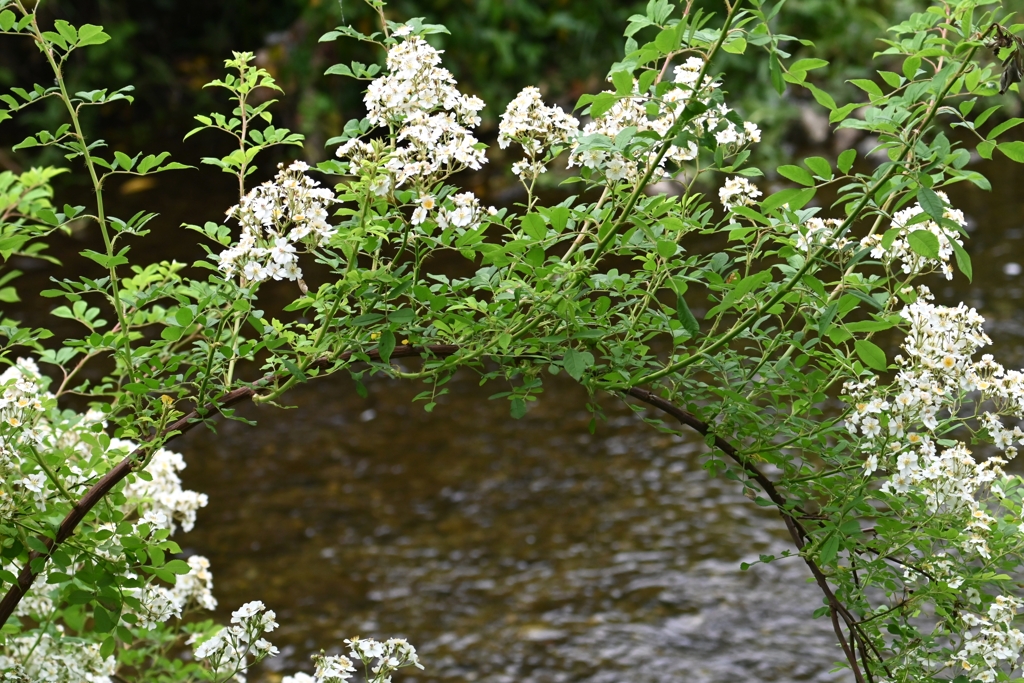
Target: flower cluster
column 158, row 503
column 819, row 232
column 738, row 191
column 379, row 659
column 900, row 251
column 276, row 218
column 194, row 589
column 631, row 112
column 227, row 651
column 54, row 658
column 462, row 211
column 993, row 640
column 418, row 98
column 22, row 424
column 162, row 498
column 900, row 430
column 537, row 128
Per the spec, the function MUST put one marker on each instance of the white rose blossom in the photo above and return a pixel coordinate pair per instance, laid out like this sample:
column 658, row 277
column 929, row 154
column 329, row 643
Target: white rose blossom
column 536, row 128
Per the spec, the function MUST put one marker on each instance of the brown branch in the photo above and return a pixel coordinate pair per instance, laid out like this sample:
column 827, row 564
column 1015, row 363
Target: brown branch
column 173, row 430
column 796, row 530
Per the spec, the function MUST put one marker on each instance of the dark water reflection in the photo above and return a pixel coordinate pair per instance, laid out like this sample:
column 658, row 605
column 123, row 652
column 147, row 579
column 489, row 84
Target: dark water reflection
column 519, row 550
column 504, row 550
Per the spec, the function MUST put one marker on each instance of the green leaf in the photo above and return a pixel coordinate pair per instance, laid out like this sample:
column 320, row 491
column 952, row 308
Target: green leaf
column 66, row 31
column 171, row 333
column 842, row 112
column 177, row 567
column 1003, row 127
column 667, row 40
column 867, row 86
column 870, row 354
column 737, row 46
column 819, row 166
column 1014, row 150
column 183, row 317
column 775, row 71
column 797, row 175
column 576, row 362
column 796, row 198
column 517, row 408
column 602, row 103
column 108, row 646
column 623, row 81
column 90, row 34
column 894, row 80
column 846, row 159
column 294, row 369
column 925, row 243
column 685, row 316
column 104, row 621
column 559, row 217
column 807, row 64
column 910, row 66
column 829, row 549
column 931, row 203
column 339, row 70
column 871, row 325
column 386, row 345
column 366, row 319
column 666, row 248
column 985, row 149
column 823, row 98
column 534, row 226
column 963, row 261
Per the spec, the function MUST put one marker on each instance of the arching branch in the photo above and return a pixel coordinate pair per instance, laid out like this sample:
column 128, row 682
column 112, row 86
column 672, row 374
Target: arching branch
column 796, row 530
column 187, row 422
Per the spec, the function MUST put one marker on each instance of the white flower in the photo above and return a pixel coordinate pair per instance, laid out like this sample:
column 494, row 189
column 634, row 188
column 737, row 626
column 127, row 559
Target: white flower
column 899, row 251
column 334, row 668
column 536, row 127
column 632, row 113
column 246, row 611
column 616, row 170
column 738, row 191
column 420, row 100
column 34, row 482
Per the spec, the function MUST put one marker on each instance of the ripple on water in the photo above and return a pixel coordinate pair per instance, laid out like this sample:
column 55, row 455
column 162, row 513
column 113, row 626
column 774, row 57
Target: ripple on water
column 504, row 550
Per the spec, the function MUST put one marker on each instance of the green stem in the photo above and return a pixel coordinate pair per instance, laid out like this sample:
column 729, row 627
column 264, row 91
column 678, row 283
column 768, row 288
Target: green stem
column 97, row 184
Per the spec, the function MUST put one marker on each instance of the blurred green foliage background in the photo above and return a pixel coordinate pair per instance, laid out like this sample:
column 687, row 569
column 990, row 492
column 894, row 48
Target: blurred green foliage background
column 169, row 48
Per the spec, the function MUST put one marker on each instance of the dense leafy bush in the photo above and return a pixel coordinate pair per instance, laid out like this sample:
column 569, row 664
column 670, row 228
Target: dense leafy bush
column 911, row 538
